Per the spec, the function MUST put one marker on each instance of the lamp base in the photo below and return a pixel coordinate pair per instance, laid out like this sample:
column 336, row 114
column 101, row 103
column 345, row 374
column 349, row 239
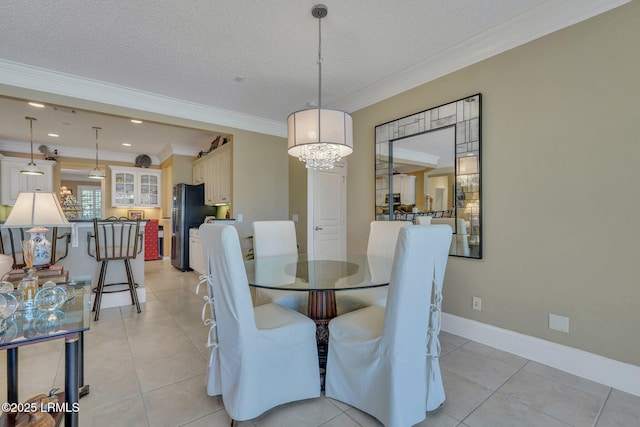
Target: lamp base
column 42, row 250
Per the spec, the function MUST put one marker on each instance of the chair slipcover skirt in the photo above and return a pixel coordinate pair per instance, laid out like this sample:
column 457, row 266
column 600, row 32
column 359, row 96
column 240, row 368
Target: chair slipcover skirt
column 377, row 360
column 267, row 355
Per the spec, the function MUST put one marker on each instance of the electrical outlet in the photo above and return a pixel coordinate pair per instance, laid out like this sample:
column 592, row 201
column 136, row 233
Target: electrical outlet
column 240, row 218
column 294, row 217
column 477, row 304
column 558, row 323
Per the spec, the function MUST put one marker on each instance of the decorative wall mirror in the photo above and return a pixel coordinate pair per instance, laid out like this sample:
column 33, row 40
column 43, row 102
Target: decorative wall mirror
column 427, row 170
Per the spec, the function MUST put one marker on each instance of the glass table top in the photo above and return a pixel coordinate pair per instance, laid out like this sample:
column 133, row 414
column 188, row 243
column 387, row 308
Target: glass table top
column 34, row 324
column 298, row 273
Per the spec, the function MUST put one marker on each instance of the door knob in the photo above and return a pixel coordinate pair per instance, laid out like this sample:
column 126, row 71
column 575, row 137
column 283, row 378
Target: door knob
column 319, row 228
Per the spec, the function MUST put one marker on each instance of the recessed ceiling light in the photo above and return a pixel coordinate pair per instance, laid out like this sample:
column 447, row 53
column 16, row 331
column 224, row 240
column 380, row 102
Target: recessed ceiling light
column 53, row 135
column 36, row 104
column 136, row 121
column 126, row 144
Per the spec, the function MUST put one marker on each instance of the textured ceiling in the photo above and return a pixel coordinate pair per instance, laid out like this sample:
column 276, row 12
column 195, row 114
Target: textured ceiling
column 258, row 58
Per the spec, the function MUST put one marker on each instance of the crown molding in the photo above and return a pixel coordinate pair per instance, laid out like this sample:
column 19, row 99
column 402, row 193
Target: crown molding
column 534, row 23
column 40, row 79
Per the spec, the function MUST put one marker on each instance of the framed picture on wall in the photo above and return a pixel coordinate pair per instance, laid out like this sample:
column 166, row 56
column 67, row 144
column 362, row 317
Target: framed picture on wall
column 135, row 214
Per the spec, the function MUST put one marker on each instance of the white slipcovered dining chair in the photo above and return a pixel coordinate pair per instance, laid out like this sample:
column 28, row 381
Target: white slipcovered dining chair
column 277, row 238
column 266, row 355
column 383, row 236
column 460, row 240
column 376, row 359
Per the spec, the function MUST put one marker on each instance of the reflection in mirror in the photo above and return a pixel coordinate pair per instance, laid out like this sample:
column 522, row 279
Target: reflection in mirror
column 428, row 170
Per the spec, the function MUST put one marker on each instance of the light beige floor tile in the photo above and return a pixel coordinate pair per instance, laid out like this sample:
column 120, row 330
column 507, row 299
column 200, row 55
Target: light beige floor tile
column 137, row 327
column 341, row 405
column 449, row 342
column 477, row 367
column 620, row 410
column 198, row 337
column 567, row 379
column 149, row 348
column 169, row 368
column 438, row 418
column 495, row 354
column 180, row 403
column 558, row 400
column 362, row 418
column 113, row 327
column 105, row 355
column 220, row 418
column 128, row 412
column 149, row 307
column 462, row 396
column 304, row 413
column 342, row 420
column 499, row 411
column 110, row 313
column 110, row 387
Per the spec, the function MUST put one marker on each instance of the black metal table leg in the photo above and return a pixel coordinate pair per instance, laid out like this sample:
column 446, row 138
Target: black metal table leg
column 84, row 388
column 12, row 375
column 71, row 373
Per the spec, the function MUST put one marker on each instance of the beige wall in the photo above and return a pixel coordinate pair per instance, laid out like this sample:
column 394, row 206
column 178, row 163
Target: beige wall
column 560, row 173
column 298, row 200
column 260, row 177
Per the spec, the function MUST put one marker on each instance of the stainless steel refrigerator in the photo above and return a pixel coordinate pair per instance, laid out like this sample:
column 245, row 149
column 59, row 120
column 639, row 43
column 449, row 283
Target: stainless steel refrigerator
column 188, row 211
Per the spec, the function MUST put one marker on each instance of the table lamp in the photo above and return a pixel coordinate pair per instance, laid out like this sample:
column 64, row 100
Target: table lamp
column 37, row 210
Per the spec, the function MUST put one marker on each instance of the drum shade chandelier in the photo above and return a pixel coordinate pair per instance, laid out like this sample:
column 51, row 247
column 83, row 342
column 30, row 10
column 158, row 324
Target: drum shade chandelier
column 319, row 136
column 96, row 173
column 31, row 168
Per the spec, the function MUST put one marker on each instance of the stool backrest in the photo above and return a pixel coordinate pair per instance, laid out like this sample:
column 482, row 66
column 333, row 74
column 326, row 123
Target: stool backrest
column 116, row 238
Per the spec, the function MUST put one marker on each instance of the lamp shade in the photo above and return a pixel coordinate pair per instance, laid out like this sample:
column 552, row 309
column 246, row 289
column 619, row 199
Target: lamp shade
column 36, row 209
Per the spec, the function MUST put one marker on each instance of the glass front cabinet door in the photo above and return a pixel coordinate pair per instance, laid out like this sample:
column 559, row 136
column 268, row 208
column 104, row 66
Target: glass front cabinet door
column 132, row 187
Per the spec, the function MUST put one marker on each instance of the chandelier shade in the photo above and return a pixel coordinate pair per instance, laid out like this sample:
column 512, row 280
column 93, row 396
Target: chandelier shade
column 319, row 136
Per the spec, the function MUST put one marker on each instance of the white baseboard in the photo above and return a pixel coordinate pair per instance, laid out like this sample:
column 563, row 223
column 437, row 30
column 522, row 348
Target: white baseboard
column 619, row 375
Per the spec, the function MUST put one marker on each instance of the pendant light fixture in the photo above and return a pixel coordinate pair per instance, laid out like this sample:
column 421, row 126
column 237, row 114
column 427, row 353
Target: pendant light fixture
column 319, row 136
column 96, row 173
column 31, row 168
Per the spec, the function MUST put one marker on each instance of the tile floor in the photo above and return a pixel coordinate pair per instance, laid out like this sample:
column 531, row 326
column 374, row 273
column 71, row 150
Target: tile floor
column 148, row 369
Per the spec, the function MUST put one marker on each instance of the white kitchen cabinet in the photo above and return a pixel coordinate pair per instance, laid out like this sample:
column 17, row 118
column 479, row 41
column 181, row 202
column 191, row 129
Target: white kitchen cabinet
column 406, row 186
column 199, row 171
column 135, row 187
column 214, row 170
column 13, row 182
column 222, row 177
column 196, row 255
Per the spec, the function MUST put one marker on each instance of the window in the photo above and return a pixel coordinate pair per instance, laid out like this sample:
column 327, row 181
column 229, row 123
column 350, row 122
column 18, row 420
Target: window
column 90, row 201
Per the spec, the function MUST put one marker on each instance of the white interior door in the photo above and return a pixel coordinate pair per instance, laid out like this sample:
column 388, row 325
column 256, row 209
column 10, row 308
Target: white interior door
column 327, row 205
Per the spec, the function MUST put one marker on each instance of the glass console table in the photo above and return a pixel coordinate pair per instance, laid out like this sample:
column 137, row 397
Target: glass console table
column 26, row 327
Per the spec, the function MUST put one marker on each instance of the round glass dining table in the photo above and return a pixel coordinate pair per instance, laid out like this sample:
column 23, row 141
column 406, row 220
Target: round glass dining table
column 321, row 279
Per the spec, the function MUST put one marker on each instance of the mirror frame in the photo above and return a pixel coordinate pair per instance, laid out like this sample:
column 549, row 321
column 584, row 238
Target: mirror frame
column 466, row 116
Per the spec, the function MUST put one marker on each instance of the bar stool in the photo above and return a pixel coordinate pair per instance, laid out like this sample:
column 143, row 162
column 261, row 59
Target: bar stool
column 115, row 239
